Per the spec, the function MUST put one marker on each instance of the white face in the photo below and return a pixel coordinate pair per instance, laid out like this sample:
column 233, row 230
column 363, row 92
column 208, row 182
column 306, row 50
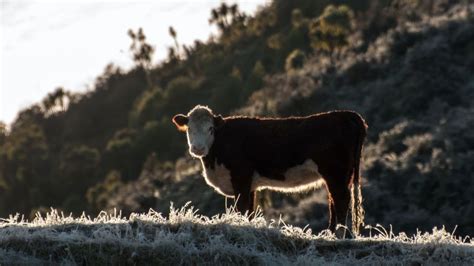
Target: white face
column 200, row 136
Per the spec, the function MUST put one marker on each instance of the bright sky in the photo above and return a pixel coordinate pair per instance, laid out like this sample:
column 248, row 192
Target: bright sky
column 52, row 43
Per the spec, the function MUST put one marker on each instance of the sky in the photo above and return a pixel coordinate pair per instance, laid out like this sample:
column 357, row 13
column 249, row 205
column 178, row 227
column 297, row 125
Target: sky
column 47, row 44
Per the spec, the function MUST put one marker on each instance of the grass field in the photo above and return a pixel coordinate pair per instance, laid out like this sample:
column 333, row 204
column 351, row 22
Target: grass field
column 185, row 237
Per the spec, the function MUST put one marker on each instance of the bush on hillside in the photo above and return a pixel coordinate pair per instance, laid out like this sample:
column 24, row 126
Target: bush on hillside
column 295, row 60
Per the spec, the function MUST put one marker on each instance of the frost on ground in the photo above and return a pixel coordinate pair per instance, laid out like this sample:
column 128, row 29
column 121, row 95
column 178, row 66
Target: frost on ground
column 185, row 237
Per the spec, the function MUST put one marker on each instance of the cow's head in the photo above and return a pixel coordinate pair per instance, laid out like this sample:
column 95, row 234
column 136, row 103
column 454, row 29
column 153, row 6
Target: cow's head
column 200, row 125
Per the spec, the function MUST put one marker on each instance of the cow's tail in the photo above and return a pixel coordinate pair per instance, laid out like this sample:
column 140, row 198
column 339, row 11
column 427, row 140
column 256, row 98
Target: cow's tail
column 357, row 208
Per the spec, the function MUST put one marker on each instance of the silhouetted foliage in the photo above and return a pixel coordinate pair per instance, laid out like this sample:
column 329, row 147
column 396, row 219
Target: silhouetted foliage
column 295, row 60
column 331, row 29
column 99, row 195
column 142, row 51
column 3, row 132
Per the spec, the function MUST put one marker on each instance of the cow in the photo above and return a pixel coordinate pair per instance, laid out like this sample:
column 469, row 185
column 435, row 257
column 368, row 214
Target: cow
column 241, row 155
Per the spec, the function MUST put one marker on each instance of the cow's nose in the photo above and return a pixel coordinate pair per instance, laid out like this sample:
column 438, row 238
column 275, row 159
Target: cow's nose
column 198, row 149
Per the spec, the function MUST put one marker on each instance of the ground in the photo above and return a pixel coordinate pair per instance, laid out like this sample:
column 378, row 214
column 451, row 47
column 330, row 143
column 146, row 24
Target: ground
column 185, row 237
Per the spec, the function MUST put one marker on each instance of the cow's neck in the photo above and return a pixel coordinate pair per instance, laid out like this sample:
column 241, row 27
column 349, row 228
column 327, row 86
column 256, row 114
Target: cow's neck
column 216, row 174
column 209, row 160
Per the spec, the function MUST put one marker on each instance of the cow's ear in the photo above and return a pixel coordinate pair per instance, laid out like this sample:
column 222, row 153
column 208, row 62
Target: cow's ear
column 218, row 121
column 181, row 122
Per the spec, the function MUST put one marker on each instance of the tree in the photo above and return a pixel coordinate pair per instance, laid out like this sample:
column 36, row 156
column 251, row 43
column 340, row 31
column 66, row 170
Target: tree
column 275, row 41
column 142, row 52
column 146, row 107
column 226, row 94
column 224, row 16
column 77, row 171
column 56, row 101
column 255, row 81
column 297, row 18
column 173, row 35
column 329, row 32
column 25, row 168
column 180, row 94
column 265, row 19
column 3, row 133
column 98, row 195
column 162, row 139
column 121, row 153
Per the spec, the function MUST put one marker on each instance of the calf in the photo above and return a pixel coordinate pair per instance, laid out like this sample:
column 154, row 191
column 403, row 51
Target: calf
column 241, row 155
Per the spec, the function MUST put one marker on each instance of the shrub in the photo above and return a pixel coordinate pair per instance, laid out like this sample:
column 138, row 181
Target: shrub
column 295, row 60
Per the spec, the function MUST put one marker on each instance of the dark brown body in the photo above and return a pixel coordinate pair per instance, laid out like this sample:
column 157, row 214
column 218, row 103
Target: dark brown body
column 269, row 147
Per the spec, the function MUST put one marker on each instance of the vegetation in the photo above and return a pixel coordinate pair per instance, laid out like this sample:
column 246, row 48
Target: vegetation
column 406, row 66
column 189, row 238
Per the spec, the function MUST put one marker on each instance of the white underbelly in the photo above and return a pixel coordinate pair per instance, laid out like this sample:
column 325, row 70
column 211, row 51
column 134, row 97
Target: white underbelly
column 219, row 179
column 299, row 178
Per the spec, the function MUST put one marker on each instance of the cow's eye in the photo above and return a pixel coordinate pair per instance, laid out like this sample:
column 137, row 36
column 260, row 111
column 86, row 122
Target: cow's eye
column 211, row 129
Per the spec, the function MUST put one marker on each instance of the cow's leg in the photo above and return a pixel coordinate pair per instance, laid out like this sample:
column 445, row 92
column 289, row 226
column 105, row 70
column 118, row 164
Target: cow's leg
column 341, row 196
column 244, row 201
column 253, row 204
column 243, row 195
column 331, row 213
column 253, row 201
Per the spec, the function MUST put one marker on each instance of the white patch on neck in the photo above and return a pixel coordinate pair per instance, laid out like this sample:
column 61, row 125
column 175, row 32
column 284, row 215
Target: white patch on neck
column 299, row 178
column 219, row 179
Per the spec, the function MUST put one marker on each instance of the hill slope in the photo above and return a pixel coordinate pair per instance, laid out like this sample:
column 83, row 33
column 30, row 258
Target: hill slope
column 188, row 238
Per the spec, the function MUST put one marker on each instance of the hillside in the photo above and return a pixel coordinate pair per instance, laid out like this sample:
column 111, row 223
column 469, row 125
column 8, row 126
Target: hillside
column 187, row 238
column 405, row 65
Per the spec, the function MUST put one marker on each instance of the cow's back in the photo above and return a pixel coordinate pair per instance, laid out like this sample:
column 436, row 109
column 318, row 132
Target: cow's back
column 272, row 146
